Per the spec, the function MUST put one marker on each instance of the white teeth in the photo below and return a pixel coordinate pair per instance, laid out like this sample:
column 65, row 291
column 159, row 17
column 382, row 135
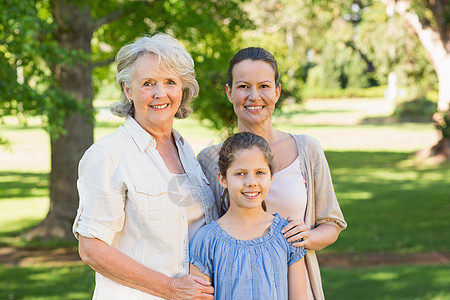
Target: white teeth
column 254, row 107
column 250, row 194
column 159, row 106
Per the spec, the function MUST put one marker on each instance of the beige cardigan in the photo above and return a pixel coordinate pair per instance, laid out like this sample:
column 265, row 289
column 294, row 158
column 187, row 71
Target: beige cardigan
column 321, row 207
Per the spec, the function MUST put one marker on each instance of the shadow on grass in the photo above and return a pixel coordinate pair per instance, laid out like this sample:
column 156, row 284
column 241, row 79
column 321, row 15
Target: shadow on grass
column 393, row 282
column 23, row 184
column 390, row 204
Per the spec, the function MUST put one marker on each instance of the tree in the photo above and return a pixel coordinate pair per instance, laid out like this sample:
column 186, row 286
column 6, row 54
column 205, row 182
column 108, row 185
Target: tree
column 52, row 48
column 430, row 19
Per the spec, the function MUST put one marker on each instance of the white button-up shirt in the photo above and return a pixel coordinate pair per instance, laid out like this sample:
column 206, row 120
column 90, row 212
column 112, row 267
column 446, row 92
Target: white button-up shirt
column 130, row 200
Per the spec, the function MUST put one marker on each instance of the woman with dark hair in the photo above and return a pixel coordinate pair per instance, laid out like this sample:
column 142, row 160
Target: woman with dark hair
column 302, row 189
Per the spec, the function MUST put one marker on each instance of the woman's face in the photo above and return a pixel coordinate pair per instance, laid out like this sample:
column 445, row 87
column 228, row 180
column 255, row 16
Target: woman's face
column 254, row 92
column 156, row 94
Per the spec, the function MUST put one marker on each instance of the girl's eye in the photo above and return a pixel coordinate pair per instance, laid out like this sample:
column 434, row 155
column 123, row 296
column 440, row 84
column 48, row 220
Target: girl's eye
column 260, row 173
column 240, row 174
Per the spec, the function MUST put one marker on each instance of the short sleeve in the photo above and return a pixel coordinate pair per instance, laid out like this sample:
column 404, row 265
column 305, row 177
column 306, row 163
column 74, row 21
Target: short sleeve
column 102, row 199
column 295, row 253
column 200, row 251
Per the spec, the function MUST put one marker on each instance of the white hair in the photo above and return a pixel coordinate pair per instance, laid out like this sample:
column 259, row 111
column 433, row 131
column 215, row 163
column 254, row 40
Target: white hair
column 170, row 55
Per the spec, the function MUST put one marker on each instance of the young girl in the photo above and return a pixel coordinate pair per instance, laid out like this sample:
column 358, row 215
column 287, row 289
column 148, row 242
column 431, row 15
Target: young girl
column 244, row 254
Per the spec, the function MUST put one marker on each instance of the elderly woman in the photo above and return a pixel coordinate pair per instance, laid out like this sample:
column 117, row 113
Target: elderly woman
column 142, row 192
column 302, row 187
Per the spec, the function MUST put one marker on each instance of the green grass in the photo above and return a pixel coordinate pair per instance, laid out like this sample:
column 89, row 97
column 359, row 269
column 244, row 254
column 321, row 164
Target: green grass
column 387, row 283
column 393, row 282
column 46, row 282
column 390, row 204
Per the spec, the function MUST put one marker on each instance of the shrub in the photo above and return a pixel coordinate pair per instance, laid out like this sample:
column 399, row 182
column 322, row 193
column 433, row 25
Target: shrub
column 416, row 110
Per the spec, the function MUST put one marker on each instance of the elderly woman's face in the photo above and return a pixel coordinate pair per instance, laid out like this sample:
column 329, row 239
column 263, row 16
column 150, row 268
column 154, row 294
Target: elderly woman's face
column 254, row 92
column 156, row 94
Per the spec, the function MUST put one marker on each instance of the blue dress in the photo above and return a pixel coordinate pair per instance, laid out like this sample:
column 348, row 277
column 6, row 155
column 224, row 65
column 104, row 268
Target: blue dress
column 253, row 269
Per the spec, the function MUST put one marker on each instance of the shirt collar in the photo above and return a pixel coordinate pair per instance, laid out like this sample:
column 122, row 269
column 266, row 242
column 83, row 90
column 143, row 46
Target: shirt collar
column 142, row 138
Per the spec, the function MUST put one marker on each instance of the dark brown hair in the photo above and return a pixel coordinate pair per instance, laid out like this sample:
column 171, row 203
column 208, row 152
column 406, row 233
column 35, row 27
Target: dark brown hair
column 227, row 154
column 253, row 53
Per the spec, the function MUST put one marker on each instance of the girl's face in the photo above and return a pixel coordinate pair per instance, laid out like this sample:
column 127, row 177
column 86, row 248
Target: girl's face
column 156, row 93
column 254, row 92
column 248, row 179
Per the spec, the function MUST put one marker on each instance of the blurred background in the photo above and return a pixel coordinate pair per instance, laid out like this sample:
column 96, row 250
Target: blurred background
column 369, row 79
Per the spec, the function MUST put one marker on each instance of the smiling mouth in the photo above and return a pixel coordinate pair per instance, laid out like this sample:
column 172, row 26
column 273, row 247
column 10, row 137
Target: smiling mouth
column 159, row 106
column 254, row 107
column 252, row 194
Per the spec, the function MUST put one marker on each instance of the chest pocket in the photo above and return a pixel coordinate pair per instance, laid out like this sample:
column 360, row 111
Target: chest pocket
column 150, row 200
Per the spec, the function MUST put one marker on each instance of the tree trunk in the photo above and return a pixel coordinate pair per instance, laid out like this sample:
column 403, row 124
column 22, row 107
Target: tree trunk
column 76, row 27
column 436, row 42
column 443, row 74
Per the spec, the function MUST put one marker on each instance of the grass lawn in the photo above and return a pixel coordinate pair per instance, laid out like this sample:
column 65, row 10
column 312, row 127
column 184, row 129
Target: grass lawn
column 390, row 204
column 387, row 283
column 47, row 282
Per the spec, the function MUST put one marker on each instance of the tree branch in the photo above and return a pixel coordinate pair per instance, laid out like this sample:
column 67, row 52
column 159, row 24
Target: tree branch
column 103, row 63
column 437, row 7
column 108, row 18
column 428, row 36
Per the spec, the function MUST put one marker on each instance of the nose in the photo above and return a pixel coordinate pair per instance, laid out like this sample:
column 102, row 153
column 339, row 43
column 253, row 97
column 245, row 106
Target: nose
column 159, row 91
column 250, row 182
column 254, row 94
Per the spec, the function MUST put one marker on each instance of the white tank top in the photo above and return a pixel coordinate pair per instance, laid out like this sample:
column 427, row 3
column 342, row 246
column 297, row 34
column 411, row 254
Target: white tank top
column 287, row 193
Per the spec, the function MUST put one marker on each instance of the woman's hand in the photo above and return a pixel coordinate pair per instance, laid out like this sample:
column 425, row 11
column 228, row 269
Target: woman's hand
column 297, row 233
column 189, row 287
column 315, row 239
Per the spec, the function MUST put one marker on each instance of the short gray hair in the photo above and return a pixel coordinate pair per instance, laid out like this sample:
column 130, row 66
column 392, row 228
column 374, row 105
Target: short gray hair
column 171, row 55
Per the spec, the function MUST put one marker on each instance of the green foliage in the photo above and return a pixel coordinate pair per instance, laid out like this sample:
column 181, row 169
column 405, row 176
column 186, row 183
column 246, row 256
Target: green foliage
column 419, row 109
column 362, row 53
column 29, row 47
column 442, row 123
column 416, row 110
column 392, row 46
column 28, row 55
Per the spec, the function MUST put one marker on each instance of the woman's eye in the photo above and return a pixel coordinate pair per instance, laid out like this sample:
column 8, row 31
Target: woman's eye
column 171, row 82
column 242, row 86
column 147, row 83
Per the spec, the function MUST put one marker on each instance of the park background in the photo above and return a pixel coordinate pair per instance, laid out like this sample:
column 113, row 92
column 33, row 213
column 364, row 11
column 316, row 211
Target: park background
column 363, row 77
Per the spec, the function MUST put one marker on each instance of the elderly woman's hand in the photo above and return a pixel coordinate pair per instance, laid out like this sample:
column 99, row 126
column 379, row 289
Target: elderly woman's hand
column 189, row 287
column 297, row 233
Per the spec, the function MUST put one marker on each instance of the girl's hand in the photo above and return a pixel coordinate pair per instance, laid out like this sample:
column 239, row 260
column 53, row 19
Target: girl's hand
column 297, row 233
column 190, row 287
